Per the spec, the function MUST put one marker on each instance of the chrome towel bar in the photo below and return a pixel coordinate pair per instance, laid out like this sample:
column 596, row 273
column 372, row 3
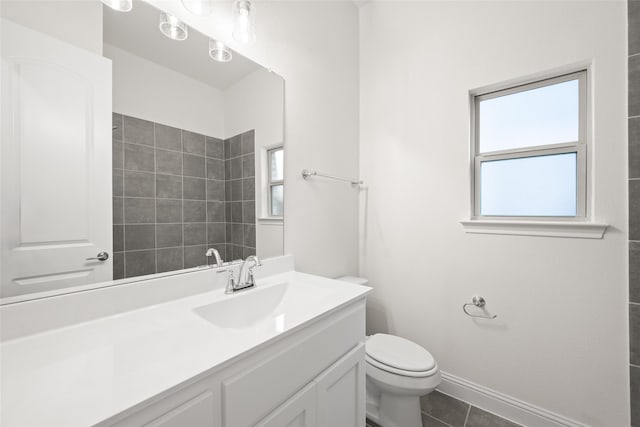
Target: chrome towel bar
column 479, row 302
column 307, row 173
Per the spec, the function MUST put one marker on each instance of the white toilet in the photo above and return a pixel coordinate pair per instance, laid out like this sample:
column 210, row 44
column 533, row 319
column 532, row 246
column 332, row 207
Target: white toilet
column 398, row 372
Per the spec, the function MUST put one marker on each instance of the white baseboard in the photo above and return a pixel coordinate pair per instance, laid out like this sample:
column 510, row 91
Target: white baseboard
column 502, row 405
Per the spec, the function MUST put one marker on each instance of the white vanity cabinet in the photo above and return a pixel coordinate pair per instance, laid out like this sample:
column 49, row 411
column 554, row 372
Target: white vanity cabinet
column 313, row 376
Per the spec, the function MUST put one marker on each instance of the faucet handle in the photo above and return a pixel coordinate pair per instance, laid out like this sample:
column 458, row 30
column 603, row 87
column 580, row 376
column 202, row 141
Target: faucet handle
column 231, row 280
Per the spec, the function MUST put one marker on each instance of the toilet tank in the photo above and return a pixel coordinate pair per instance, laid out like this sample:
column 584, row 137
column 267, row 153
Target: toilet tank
column 354, row 280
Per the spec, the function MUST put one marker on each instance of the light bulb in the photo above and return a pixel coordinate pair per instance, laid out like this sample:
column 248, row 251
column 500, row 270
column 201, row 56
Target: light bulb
column 243, row 21
column 219, row 52
column 119, row 5
column 199, row 7
column 172, row 27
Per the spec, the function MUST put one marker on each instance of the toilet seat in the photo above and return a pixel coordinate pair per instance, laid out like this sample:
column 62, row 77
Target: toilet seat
column 399, row 356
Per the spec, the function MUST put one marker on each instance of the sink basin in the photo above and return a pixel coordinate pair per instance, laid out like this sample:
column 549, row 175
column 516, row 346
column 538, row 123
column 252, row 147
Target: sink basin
column 273, row 306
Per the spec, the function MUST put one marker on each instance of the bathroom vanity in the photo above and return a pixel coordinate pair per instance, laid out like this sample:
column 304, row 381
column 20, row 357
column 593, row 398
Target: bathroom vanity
column 289, row 352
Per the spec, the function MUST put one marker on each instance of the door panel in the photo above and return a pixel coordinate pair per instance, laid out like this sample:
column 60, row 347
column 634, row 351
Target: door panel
column 341, row 392
column 299, row 411
column 56, row 163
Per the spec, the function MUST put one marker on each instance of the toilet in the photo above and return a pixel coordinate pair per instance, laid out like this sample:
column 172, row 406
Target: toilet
column 398, row 372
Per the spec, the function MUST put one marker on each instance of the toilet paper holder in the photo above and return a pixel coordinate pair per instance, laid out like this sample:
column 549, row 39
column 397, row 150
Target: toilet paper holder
column 479, row 302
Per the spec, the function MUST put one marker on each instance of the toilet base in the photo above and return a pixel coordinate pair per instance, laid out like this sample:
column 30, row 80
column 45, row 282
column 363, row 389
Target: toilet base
column 400, row 411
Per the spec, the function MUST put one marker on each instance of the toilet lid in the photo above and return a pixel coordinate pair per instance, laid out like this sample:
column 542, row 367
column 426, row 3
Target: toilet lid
column 399, row 353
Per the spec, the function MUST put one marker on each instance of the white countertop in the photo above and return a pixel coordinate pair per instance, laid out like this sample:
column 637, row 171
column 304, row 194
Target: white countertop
column 85, row 373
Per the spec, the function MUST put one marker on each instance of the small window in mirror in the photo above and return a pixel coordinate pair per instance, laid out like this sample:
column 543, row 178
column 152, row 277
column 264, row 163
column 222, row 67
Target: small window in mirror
column 275, row 162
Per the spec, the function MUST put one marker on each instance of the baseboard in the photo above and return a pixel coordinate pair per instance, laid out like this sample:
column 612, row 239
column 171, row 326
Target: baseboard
column 502, row 405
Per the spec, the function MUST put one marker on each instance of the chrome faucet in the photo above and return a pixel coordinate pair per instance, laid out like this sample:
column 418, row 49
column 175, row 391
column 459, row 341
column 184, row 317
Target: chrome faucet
column 245, row 279
column 212, row 252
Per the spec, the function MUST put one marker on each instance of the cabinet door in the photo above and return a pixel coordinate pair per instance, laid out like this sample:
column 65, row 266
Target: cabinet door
column 197, row 412
column 299, row 411
column 341, row 391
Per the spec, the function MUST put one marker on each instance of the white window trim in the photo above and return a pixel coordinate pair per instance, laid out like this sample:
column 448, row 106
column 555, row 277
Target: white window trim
column 580, row 226
column 271, row 183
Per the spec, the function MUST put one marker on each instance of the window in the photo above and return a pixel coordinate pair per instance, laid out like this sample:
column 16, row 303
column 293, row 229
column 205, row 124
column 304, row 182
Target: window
column 275, row 188
column 529, row 151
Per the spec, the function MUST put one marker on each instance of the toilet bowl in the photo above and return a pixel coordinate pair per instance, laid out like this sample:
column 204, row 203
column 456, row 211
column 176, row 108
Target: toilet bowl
column 398, row 372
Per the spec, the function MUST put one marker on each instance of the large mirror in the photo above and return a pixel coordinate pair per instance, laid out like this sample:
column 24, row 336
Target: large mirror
column 128, row 153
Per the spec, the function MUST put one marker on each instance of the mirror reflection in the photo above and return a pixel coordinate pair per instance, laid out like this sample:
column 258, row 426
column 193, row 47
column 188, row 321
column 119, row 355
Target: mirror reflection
column 135, row 161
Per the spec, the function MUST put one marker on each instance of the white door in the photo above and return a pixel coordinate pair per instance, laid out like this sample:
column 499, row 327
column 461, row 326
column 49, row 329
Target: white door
column 341, row 391
column 299, row 411
column 55, row 163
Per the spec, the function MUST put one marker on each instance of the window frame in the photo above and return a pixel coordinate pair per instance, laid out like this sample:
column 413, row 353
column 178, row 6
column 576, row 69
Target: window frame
column 580, row 147
column 272, row 183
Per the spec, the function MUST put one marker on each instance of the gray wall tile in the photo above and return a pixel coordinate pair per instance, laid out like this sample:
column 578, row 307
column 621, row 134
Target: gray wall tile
column 236, row 190
column 634, row 334
column 195, row 234
column 237, row 234
column 117, row 182
column 247, row 252
column 215, row 212
column 118, row 210
column 215, row 148
column 634, row 272
column 249, row 189
column 215, row 190
column 138, row 131
column 446, row 408
column 139, row 184
column 117, row 154
column 170, row 259
column 215, row 169
column 236, row 168
column 237, row 252
column 634, row 86
column 138, row 211
column 168, row 210
column 195, row 211
column 249, row 212
column 248, row 166
column 193, row 143
column 634, row 373
column 139, row 263
column 634, row 210
column 634, row 26
column 168, row 162
column 235, row 148
column 227, row 169
column 194, row 188
column 227, row 149
column 216, row 232
column 248, row 142
column 118, row 265
column 169, row 235
column 249, row 235
column 139, row 158
column 141, row 236
column 168, row 137
column 480, row 418
column 634, row 147
column 236, row 212
column 118, row 238
column 194, row 166
column 194, row 256
column 116, row 122
column 169, row 186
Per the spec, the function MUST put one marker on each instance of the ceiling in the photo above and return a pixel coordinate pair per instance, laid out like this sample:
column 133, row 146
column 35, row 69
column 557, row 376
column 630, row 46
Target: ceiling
column 137, row 32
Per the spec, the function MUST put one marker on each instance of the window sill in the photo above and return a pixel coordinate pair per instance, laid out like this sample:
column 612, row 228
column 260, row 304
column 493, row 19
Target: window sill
column 271, row 220
column 578, row 230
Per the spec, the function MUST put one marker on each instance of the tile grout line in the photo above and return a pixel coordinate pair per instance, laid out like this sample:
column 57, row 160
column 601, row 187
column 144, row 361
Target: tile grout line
column 466, row 419
column 437, row 419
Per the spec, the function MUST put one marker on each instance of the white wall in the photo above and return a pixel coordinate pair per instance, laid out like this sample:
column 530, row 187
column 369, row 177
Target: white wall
column 314, row 47
column 560, row 339
column 256, row 102
column 75, row 22
column 149, row 91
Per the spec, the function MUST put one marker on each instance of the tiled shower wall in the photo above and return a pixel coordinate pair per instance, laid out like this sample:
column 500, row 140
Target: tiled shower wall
column 634, row 208
column 169, row 198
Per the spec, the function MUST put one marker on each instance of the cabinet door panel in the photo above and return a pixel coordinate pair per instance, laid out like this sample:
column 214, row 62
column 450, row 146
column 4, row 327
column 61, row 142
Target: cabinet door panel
column 197, row 412
column 341, row 391
column 299, row 411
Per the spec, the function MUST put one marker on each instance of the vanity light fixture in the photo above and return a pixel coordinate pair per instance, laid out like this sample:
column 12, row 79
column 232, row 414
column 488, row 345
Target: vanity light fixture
column 199, row 7
column 119, row 5
column 172, row 27
column 219, row 52
column 244, row 21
